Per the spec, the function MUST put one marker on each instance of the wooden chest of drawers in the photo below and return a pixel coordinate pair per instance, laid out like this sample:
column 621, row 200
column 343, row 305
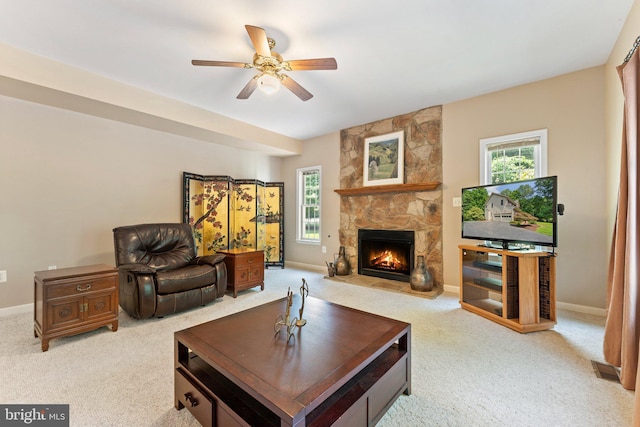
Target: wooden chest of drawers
column 245, row 269
column 69, row 301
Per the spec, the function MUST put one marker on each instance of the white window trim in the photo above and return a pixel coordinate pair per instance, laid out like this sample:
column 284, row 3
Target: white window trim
column 299, row 198
column 540, row 152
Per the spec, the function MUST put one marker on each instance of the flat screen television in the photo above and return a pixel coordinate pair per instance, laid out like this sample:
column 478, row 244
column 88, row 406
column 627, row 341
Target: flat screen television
column 513, row 213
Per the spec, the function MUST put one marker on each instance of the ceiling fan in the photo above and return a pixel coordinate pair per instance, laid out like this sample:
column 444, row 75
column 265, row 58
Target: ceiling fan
column 271, row 66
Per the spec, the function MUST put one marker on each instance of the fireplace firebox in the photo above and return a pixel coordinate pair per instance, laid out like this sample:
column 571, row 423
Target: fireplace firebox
column 386, row 253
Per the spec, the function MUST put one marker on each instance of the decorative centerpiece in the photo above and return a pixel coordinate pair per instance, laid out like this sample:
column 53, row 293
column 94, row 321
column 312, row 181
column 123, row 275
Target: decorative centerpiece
column 283, row 321
column 304, row 291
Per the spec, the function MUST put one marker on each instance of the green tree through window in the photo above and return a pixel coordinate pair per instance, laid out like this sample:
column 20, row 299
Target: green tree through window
column 514, row 157
column 309, row 205
column 509, row 165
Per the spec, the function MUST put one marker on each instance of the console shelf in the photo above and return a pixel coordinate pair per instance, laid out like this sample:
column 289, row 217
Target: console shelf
column 489, row 283
column 513, row 288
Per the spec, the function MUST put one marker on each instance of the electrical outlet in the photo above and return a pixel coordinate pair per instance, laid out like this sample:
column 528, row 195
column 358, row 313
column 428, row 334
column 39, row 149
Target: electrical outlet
column 457, row 202
column 3, row 276
column 324, row 249
column 53, row 267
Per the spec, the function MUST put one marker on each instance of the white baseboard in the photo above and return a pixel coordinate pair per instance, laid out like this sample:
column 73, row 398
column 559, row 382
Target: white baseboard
column 452, row 289
column 19, row 309
column 16, row 309
column 312, row 267
column 456, row 290
column 559, row 305
column 582, row 309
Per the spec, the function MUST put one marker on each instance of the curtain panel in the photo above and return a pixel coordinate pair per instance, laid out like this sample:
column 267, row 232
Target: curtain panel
column 622, row 328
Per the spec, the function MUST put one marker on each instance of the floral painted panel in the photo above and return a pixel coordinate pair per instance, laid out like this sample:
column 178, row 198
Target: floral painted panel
column 225, row 213
column 206, row 209
column 274, row 220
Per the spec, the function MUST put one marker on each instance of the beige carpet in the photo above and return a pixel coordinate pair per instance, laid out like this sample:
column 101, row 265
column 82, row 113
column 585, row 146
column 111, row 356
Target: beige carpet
column 466, row 370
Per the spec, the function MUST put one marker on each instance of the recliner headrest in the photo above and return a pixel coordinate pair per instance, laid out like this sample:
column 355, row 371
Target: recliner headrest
column 161, row 246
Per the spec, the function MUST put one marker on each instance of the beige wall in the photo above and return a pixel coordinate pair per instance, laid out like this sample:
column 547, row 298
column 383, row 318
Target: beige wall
column 322, row 151
column 571, row 107
column 66, row 179
column 583, row 113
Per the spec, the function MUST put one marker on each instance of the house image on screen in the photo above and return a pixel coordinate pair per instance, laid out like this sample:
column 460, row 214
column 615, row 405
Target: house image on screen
column 504, row 209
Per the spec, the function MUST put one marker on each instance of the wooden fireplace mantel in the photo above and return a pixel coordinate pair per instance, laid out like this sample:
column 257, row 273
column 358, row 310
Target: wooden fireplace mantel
column 395, row 188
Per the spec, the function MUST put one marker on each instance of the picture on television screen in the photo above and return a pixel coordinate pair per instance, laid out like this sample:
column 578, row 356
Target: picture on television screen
column 523, row 211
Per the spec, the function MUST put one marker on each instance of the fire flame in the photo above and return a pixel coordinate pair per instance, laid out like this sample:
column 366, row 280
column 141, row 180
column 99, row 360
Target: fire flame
column 387, row 260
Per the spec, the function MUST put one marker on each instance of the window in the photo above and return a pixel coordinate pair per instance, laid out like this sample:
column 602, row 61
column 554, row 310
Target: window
column 513, row 157
column 308, row 218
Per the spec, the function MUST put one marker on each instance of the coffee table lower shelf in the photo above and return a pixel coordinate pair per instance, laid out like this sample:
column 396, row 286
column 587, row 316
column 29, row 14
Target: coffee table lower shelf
column 364, row 399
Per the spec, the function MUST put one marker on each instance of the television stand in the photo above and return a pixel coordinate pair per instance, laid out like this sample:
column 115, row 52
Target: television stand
column 506, row 247
column 513, row 288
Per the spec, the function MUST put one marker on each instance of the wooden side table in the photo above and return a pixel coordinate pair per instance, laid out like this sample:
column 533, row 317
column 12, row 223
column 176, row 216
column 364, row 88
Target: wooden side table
column 70, row 301
column 245, row 269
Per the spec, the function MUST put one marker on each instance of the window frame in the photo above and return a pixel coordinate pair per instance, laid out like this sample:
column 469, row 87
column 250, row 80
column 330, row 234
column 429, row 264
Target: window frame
column 300, row 191
column 539, row 152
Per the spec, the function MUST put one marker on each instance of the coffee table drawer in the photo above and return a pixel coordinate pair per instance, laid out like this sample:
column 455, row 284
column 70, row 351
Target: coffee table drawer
column 383, row 392
column 194, row 399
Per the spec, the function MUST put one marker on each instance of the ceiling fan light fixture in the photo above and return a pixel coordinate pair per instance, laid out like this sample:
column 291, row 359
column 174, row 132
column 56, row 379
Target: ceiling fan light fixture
column 270, row 67
column 268, row 83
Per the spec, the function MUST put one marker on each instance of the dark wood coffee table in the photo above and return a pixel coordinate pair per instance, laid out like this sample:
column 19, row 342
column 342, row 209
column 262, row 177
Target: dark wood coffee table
column 344, row 367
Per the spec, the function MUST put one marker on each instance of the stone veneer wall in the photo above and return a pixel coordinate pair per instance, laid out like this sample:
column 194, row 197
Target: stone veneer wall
column 417, row 211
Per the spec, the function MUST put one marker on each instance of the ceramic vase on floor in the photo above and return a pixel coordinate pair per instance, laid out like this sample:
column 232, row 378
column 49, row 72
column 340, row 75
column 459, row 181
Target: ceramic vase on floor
column 420, row 279
column 341, row 263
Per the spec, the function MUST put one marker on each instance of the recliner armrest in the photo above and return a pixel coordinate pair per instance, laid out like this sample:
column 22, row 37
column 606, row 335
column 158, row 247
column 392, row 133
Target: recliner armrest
column 212, row 259
column 221, row 279
column 137, row 268
column 137, row 290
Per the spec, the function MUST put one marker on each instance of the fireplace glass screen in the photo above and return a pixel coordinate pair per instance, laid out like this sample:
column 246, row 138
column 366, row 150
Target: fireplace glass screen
column 386, row 253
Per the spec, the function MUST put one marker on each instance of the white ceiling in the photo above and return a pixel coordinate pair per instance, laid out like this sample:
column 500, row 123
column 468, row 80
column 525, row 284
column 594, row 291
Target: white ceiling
column 393, row 57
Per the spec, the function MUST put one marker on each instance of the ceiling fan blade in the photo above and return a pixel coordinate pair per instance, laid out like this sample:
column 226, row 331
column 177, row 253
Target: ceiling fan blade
column 259, row 39
column 313, row 64
column 294, row 87
column 248, row 89
column 219, row 63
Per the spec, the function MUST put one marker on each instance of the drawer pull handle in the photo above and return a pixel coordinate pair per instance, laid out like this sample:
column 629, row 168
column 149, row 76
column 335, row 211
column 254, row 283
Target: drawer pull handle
column 81, row 289
column 193, row 402
column 250, row 261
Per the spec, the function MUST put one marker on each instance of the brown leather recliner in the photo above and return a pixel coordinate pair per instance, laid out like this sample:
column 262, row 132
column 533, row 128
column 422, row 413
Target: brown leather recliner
column 160, row 272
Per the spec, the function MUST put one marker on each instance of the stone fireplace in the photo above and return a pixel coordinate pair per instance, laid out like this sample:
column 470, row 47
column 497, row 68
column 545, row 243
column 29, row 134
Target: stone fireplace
column 408, row 209
column 386, row 253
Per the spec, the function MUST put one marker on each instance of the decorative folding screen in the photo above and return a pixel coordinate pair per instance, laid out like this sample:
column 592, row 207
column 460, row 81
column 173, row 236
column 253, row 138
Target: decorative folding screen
column 225, row 213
